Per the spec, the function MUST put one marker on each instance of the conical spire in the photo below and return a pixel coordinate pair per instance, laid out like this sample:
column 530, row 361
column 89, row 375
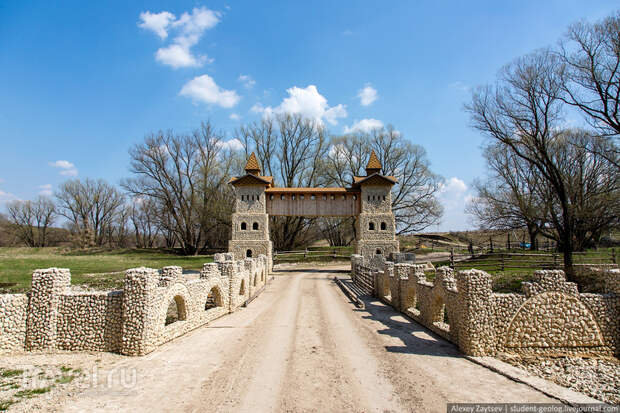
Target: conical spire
column 374, row 166
column 252, row 166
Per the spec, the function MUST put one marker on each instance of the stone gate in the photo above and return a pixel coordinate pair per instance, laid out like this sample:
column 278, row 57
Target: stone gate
column 368, row 199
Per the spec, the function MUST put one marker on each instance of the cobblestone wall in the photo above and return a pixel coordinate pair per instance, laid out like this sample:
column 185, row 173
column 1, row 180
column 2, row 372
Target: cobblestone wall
column 152, row 308
column 550, row 317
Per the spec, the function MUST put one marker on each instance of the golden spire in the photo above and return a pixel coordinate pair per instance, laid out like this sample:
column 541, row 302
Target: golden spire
column 252, row 166
column 374, row 166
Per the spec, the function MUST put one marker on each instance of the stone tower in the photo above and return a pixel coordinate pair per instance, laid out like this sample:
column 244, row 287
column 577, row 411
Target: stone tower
column 250, row 222
column 375, row 225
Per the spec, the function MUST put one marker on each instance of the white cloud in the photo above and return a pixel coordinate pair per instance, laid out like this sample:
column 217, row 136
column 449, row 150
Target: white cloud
column 453, row 195
column 247, row 81
column 234, row 116
column 66, row 168
column 460, row 86
column 45, row 190
column 233, row 144
column 453, row 185
column 364, row 125
column 7, row 197
column 367, row 95
column 177, row 56
column 204, row 89
column 190, row 28
column 156, row 22
column 307, row 102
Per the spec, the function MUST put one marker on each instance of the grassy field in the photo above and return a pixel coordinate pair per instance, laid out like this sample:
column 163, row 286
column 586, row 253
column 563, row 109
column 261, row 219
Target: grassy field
column 97, row 268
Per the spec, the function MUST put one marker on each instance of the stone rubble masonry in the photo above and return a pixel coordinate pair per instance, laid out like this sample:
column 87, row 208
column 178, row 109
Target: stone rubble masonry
column 551, row 317
column 131, row 321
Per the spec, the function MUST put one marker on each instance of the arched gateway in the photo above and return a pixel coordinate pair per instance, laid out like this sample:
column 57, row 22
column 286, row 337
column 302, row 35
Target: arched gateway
column 369, row 199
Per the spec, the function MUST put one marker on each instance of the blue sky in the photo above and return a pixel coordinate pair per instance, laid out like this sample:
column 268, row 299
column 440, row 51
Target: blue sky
column 81, row 82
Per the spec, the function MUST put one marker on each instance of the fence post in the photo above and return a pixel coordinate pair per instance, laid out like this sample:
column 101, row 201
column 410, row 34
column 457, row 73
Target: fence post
column 555, row 261
column 452, row 258
column 503, row 262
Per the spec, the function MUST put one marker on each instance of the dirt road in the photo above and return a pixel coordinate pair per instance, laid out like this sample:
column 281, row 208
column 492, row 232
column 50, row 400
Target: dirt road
column 301, row 346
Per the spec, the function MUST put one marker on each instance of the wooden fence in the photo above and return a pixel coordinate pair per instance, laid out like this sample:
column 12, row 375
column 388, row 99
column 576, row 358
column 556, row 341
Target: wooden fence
column 505, row 261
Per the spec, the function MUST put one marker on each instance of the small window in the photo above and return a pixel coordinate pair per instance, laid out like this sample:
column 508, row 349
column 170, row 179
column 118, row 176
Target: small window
column 383, row 226
column 369, row 197
column 244, row 226
column 332, row 197
column 355, row 197
column 384, row 197
column 282, row 197
column 271, row 197
column 371, row 226
column 301, row 197
column 242, row 197
column 248, row 253
column 344, row 197
column 324, row 197
column 293, row 197
column 255, row 226
column 312, row 197
column 379, row 252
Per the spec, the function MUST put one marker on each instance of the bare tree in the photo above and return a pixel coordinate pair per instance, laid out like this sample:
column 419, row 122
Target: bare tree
column 91, row 207
column 522, row 112
column 290, row 148
column 146, row 226
column 590, row 54
column 413, row 198
column 31, row 220
column 185, row 175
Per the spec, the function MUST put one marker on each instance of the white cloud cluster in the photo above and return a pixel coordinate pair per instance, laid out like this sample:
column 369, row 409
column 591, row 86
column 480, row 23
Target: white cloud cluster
column 234, row 116
column 204, row 89
column 45, row 190
column 247, row 81
column 190, row 28
column 364, row 125
column 307, row 102
column 232, row 144
column 367, row 95
column 66, row 168
column 453, row 195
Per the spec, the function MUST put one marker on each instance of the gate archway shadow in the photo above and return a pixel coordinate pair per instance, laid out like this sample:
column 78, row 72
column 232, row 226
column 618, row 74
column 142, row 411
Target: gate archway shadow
column 415, row 338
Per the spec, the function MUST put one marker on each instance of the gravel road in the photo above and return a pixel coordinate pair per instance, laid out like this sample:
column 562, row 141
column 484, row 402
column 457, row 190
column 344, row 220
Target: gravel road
column 299, row 347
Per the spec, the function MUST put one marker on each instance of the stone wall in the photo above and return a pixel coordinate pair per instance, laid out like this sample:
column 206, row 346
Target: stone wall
column 131, row 321
column 551, row 317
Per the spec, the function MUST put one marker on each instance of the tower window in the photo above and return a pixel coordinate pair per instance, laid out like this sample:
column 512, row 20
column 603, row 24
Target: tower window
column 255, row 226
column 248, row 253
column 244, row 226
column 371, row 226
column 383, row 226
column 379, row 252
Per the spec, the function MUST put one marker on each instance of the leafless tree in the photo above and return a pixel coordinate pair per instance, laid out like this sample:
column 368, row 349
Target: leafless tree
column 522, row 112
column 186, row 176
column 509, row 198
column 91, row 207
column 290, row 148
column 414, row 199
column 590, row 54
column 31, row 220
column 144, row 220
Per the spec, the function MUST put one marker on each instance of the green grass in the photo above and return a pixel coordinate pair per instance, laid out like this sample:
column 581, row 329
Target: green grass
column 32, row 392
column 65, row 379
column 6, row 373
column 97, row 268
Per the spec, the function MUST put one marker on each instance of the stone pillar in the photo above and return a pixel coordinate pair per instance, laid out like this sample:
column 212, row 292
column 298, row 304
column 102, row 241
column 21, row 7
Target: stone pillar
column 227, row 271
column 476, row 336
column 42, row 318
column 140, row 315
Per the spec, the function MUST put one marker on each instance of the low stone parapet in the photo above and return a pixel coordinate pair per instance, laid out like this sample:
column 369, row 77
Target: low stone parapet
column 550, row 317
column 152, row 308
